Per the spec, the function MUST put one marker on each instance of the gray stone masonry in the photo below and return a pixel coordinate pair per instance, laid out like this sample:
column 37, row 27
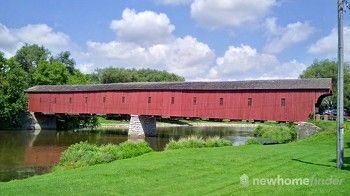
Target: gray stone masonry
column 37, row 121
column 141, row 126
column 306, row 129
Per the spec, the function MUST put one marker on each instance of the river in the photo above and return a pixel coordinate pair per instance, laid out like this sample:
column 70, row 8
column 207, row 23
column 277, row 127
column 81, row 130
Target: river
column 27, row 153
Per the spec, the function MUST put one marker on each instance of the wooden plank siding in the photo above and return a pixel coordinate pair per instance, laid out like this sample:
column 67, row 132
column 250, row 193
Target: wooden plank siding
column 264, row 104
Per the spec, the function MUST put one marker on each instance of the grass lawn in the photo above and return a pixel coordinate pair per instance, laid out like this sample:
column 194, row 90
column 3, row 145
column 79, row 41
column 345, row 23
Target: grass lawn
column 213, row 171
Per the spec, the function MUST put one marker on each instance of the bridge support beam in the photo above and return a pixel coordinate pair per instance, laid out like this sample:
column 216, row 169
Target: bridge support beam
column 38, row 121
column 141, row 126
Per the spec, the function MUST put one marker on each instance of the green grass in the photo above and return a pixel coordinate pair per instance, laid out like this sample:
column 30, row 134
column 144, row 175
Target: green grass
column 199, row 171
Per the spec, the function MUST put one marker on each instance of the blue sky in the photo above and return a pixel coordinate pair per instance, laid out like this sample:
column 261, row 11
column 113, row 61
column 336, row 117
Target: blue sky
column 199, row 39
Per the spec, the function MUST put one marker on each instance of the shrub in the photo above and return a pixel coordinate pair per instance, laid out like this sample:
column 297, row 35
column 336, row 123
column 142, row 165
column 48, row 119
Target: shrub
column 252, row 141
column 84, row 154
column 190, row 142
column 133, row 149
column 279, row 133
column 197, row 142
column 217, row 142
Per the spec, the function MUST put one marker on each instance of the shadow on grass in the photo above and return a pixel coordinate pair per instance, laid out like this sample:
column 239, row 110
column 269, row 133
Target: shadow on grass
column 311, row 163
column 346, row 163
column 347, row 145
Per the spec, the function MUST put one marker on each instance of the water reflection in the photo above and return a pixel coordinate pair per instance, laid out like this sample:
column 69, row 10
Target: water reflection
column 25, row 154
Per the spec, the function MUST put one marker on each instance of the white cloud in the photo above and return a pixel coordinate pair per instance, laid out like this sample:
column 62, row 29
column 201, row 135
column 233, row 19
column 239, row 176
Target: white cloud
column 281, row 38
column 188, row 57
column 245, row 62
column 175, row 2
column 145, row 40
column 143, row 28
column 328, row 45
column 213, row 13
column 185, row 56
column 13, row 38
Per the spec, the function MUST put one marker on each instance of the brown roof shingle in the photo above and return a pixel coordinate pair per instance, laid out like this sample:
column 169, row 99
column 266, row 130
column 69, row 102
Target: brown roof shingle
column 322, row 83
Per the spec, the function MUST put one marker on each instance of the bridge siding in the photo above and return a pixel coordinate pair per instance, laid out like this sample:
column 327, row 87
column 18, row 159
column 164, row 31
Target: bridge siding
column 266, row 104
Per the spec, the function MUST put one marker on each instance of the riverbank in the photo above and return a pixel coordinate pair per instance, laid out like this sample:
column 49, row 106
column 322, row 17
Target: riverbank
column 104, row 124
column 205, row 171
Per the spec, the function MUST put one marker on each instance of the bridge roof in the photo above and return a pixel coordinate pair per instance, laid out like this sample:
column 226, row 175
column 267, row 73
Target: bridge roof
column 293, row 84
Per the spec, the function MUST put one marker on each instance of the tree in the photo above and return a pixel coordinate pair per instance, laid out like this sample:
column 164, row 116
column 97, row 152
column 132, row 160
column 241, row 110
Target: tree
column 79, row 78
column 50, row 73
column 116, row 75
column 29, row 56
column 329, row 69
column 13, row 100
column 64, row 57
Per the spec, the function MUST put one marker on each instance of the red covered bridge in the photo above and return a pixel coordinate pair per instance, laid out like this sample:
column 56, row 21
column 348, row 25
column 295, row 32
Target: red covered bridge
column 276, row 100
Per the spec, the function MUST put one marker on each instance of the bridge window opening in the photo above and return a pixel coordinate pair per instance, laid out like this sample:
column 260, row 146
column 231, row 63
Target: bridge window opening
column 70, row 99
column 250, row 102
column 40, row 99
column 172, row 100
column 86, row 99
column 55, row 100
column 123, row 99
column 194, row 100
column 149, row 99
column 104, row 99
column 221, row 101
column 283, row 102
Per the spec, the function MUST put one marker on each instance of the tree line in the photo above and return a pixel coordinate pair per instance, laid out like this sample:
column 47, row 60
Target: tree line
column 35, row 65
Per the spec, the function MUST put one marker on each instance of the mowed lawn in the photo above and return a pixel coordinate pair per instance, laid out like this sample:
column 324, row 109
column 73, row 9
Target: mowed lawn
column 214, row 171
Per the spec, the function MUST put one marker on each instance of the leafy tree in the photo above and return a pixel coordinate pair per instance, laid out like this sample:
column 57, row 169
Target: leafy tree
column 116, row 75
column 50, row 73
column 13, row 100
column 29, row 56
column 65, row 58
column 329, row 69
column 79, row 78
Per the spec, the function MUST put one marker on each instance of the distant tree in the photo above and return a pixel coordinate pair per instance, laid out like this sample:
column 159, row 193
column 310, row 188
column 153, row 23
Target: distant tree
column 29, row 56
column 65, row 58
column 116, row 75
column 50, row 73
column 329, row 69
column 79, row 78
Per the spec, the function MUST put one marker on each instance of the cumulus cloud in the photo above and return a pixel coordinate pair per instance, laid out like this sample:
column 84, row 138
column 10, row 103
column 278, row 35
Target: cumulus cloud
column 281, row 38
column 213, row 13
column 328, row 46
column 143, row 28
column 245, row 62
column 185, row 56
column 13, row 38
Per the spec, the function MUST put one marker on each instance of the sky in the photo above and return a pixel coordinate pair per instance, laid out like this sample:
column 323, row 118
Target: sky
column 198, row 39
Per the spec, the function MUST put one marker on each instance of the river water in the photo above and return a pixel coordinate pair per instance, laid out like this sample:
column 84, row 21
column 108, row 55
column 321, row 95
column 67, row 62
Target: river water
column 27, row 153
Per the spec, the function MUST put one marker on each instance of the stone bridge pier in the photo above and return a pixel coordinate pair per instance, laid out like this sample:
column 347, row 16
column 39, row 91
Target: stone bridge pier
column 38, row 121
column 141, row 126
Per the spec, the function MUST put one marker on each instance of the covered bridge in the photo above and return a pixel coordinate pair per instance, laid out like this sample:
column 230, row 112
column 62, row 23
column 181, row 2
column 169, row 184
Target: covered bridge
column 276, row 100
